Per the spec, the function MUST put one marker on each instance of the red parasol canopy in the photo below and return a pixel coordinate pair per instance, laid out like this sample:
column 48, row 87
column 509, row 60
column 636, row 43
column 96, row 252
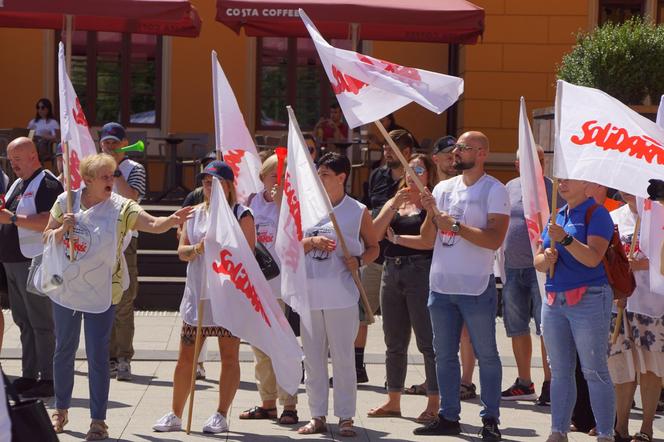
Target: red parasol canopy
column 162, row 17
column 443, row 21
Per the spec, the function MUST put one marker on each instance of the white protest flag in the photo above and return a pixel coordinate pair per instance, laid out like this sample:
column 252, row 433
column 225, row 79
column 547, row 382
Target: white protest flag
column 241, row 300
column 601, row 140
column 232, row 136
column 303, row 206
column 533, row 190
column 651, row 239
column 368, row 89
column 74, row 126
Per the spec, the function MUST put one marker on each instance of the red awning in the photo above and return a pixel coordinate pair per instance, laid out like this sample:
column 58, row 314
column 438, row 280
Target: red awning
column 444, row 21
column 162, row 17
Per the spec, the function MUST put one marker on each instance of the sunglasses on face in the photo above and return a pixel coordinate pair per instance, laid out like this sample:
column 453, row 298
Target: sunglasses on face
column 419, row 170
column 463, row 147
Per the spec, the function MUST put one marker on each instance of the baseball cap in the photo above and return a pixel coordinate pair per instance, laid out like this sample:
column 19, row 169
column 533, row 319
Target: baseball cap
column 112, row 131
column 218, row 169
column 210, row 156
column 58, row 150
column 444, row 145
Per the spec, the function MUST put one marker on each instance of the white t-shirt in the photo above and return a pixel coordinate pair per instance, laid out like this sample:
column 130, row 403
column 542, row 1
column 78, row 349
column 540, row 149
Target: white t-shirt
column 44, row 127
column 459, row 267
column 642, row 301
column 266, row 218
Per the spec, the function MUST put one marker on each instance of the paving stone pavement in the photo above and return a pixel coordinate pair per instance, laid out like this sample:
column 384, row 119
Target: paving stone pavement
column 135, row 406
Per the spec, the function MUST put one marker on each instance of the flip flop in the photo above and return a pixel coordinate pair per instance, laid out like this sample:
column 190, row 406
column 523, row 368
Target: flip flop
column 425, row 417
column 381, row 412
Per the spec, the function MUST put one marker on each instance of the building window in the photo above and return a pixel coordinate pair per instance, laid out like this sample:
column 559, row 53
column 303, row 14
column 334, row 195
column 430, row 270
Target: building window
column 117, row 77
column 290, row 73
column 617, row 11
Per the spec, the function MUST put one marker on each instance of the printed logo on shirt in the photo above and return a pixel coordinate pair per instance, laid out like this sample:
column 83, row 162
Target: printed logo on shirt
column 321, row 255
column 81, row 240
column 265, row 233
column 448, row 239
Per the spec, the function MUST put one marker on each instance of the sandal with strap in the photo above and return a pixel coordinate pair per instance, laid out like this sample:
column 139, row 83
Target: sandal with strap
column 346, row 428
column 415, row 389
column 259, row 413
column 98, row 431
column 288, row 417
column 641, row 437
column 59, row 419
column 314, row 426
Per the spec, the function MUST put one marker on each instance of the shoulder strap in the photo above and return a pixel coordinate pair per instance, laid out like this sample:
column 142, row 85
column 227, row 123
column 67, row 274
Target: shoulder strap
column 589, row 213
column 250, row 199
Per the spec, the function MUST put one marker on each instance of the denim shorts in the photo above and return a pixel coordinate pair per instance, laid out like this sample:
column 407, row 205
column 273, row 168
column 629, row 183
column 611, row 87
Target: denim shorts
column 521, row 301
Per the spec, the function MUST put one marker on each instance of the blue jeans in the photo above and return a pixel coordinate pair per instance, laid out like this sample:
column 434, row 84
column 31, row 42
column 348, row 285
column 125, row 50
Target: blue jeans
column 521, row 301
column 582, row 328
column 448, row 314
column 97, row 342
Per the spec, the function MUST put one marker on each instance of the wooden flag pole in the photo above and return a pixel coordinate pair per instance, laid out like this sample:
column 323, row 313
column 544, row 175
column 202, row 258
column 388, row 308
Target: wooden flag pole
column 70, row 202
column 197, row 349
column 409, row 170
column 554, row 215
column 621, row 309
column 369, row 317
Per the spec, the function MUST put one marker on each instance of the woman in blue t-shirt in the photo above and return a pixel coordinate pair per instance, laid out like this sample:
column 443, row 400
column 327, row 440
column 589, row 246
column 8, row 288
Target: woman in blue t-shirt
column 577, row 310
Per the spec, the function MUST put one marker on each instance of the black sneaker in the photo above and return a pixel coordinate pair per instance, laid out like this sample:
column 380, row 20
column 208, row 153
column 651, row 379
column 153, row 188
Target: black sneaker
column 439, row 426
column 545, row 397
column 23, row 384
column 362, row 376
column 518, row 392
column 41, row 389
column 490, row 431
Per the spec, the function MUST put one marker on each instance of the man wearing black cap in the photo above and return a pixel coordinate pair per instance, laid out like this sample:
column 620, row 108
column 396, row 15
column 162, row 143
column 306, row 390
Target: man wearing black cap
column 130, row 182
column 444, row 158
column 59, row 163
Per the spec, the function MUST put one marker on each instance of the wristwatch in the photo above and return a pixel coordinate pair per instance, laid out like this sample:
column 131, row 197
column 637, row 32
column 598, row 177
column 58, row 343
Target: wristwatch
column 117, row 173
column 567, row 240
column 13, row 219
column 456, row 227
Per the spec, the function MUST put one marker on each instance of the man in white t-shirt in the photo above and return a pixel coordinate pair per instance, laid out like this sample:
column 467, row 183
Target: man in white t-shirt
column 474, row 216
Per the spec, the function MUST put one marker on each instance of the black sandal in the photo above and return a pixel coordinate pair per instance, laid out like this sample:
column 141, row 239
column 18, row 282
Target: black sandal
column 415, row 389
column 258, row 412
column 288, row 417
column 641, row 437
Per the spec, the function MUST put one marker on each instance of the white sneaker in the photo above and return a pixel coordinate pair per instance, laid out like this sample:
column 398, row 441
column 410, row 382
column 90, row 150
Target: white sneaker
column 170, row 422
column 215, row 424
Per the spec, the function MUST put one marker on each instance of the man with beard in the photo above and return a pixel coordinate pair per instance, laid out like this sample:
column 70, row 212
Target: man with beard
column 442, row 155
column 474, row 216
column 383, row 183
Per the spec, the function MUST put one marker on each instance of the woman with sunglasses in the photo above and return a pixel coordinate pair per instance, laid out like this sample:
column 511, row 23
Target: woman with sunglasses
column 44, row 124
column 403, row 298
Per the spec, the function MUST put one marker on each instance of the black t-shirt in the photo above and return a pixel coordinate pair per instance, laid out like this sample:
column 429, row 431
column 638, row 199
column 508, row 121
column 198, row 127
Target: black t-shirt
column 382, row 187
column 194, row 198
column 406, row 225
column 47, row 193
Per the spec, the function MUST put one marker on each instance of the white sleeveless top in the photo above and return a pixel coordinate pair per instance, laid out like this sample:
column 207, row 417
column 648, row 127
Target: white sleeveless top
column 196, row 278
column 30, row 241
column 266, row 217
column 330, row 284
column 87, row 279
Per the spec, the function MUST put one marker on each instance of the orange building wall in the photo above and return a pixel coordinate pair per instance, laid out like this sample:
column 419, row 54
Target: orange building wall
column 523, row 42
column 22, row 75
column 191, row 72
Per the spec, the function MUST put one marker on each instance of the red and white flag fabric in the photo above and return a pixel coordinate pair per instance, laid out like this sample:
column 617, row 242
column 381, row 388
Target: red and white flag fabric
column 232, row 136
column 74, row 126
column 368, row 88
column 535, row 204
column 601, row 140
column 241, row 300
column 303, row 205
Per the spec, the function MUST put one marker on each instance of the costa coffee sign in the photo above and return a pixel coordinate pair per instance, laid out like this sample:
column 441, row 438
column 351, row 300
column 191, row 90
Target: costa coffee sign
column 260, row 12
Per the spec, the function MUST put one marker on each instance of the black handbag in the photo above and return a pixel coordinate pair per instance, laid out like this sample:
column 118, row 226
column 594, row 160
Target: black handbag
column 265, row 261
column 30, row 421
